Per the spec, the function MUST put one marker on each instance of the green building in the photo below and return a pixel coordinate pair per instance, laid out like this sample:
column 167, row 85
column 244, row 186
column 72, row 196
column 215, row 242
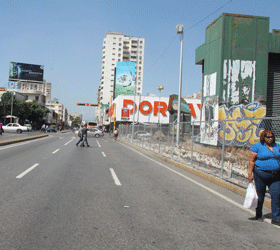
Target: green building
column 241, row 71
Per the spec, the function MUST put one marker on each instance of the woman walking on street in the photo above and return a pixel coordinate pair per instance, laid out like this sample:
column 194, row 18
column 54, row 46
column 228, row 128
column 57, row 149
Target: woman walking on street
column 264, row 168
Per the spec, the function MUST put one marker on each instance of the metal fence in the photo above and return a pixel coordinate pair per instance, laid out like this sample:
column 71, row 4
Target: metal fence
column 218, row 147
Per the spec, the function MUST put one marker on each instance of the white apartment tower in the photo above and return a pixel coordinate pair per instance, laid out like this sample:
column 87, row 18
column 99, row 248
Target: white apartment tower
column 118, row 47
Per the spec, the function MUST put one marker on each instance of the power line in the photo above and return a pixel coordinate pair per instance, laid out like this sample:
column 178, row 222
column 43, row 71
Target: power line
column 188, row 29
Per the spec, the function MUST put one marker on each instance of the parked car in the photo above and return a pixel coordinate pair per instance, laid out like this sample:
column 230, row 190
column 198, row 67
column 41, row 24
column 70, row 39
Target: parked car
column 141, row 134
column 52, row 128
column 29, row 127
column 93, row 132
column 14, row 127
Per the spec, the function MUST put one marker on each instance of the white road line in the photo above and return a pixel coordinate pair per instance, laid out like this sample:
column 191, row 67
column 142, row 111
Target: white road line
column 103, row 154
column 197, row 183
column 98, row 144
column 26, row 171
column 68, row 142
column 55, row 151
column 115, row 178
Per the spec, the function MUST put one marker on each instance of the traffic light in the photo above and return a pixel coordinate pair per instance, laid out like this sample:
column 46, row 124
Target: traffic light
column 87, row 104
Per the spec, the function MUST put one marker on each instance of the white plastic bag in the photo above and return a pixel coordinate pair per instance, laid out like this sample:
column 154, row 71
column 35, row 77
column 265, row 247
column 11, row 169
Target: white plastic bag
column 251, row 197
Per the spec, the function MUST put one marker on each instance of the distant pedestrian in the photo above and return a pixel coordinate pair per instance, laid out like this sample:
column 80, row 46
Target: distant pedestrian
column 265, row 170
column 116, row 133
column 84, row 136
column 1, row 129
column 80, row 136
column 43, row 128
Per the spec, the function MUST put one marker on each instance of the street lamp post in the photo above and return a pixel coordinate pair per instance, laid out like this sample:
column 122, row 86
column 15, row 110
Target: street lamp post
column 160, row 88
column 135, row 81
column 179, row 30
column 12, row 106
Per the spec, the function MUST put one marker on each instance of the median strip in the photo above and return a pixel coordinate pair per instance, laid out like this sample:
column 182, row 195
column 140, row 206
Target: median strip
column 3, row 143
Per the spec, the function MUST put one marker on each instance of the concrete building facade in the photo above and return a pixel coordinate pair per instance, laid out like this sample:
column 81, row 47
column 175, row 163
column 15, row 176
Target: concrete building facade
column 240, row 76
column 119, row 48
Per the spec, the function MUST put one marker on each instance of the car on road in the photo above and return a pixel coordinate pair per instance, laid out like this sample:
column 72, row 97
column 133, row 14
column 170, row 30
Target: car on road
column 14, row 127
column 52, row 128
column 29, row 127
column 93, row 132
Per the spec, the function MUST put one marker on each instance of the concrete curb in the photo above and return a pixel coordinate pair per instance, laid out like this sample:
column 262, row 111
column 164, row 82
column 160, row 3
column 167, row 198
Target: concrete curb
column 220, row 182
column 3, row 143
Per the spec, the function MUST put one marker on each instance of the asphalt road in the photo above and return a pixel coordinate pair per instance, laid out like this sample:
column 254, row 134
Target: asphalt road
column 55, row 195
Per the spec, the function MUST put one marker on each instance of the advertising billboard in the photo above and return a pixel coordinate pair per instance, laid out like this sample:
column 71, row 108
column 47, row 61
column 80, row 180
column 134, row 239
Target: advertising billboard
column 23, row 71
column 146, row 109
column 125, row 79
column 173, row 105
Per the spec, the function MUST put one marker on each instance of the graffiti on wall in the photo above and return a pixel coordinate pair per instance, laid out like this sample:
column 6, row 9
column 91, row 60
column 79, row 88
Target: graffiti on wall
column 242, row 131
column 239, row 79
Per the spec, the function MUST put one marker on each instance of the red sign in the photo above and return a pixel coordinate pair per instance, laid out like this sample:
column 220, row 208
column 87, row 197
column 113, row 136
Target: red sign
column 125, row 113
column 87, row 104
column 147, row 107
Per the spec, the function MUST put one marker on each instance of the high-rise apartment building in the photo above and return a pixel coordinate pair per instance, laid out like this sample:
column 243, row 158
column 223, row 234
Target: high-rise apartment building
column 119, row 48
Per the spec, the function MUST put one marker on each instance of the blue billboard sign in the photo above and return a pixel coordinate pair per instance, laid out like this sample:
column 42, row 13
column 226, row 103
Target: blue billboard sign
column 125, row 79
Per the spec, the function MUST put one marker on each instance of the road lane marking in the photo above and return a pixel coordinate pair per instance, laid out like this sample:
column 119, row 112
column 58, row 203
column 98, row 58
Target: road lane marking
column 26, row 171
column 103, row 154
column 68, row 142
column 115, row 178
column 55, row 151
column 98, row 144
column 197, row 183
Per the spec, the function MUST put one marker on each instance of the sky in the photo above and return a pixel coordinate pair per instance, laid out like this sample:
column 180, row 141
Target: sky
column 66, row 36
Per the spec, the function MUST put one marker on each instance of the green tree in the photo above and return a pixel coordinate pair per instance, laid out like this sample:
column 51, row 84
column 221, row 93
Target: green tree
column 23, row 110
column 76, row 122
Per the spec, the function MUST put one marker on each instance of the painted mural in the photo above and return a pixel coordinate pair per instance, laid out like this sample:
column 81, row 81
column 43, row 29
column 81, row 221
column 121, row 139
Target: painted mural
column 241, row 132
column 239, row 80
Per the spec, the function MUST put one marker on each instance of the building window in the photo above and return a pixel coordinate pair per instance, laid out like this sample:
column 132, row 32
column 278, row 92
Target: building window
column 120, row 39
column 119, row 55
column 114, row 37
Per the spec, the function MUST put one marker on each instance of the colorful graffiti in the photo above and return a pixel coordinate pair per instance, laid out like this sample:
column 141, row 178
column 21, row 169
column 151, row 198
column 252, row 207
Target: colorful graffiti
column 242, row 131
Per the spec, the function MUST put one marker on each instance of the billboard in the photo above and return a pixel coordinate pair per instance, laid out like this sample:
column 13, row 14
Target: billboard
column 125, row 79
column 23, row 71
column 173, row 105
